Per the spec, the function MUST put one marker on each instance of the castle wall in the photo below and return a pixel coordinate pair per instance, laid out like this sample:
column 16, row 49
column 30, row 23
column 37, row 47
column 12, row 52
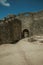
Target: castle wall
column 13, row 26
column 10, row 30
column 33, row 22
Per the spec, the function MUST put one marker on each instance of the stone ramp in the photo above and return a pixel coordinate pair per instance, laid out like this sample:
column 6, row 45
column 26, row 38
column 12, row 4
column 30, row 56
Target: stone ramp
column 22, row 53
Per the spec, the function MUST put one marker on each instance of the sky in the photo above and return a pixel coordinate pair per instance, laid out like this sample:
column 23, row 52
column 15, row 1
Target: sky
column 18, row 6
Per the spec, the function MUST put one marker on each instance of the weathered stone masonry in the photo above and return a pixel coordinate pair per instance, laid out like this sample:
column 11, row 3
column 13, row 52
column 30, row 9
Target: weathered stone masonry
column 12, row 26
column 33, row 22
column 10, row 30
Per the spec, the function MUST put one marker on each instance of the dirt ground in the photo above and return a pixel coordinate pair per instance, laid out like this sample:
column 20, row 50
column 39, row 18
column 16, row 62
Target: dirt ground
column 24, row 52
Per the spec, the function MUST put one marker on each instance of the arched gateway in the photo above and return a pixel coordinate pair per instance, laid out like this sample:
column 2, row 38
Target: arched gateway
column 25, row 33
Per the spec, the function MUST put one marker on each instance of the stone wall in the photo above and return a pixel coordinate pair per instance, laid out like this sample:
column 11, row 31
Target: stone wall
column 10, row 30
column 12, row 26
column 33, row 22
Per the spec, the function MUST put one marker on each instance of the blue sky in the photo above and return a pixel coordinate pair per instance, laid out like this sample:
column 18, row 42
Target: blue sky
column 19, row 6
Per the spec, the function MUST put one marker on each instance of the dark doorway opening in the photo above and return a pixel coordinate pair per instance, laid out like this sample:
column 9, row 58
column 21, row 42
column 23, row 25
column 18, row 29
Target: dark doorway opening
column 25, row 33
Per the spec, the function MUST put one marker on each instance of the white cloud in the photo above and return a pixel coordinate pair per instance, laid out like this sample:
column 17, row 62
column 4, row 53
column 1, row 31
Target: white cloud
column 4, row 3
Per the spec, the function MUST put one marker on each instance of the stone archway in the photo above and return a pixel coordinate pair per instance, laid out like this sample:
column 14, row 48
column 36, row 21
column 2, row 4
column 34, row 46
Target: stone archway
column 25, row 33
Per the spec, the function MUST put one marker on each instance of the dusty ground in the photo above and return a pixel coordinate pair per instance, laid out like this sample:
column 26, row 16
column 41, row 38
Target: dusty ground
column 24, row 52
